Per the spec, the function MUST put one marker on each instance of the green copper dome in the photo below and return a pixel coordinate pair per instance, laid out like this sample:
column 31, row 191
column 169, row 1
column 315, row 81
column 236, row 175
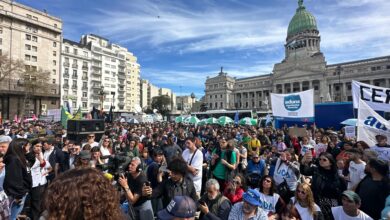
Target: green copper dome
column 302, row 21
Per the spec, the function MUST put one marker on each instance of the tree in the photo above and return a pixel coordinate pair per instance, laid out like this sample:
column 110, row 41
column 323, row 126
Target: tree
column 33, row 81
column 26, row 79
column 10, row 68
column 162, row 103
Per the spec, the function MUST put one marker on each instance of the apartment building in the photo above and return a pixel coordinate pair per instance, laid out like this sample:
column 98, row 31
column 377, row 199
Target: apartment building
column 35, row 37
column 148, row 91
column 98, row 73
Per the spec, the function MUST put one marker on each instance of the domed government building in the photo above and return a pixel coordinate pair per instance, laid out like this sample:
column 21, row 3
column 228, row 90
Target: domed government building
column 304, row 67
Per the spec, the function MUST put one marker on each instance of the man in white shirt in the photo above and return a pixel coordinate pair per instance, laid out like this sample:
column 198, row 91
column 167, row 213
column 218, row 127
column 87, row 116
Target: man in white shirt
column 350, row 208
column 356, row 168
column 194, row 159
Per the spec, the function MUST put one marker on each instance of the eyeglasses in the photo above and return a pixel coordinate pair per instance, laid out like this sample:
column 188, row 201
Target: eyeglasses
column 301, row 192
column 323, row 159
column 267, row 180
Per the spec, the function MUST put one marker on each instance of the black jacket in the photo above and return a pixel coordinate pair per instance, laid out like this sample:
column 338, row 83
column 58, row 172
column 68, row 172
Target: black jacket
column 18, row 181
column 169, row 189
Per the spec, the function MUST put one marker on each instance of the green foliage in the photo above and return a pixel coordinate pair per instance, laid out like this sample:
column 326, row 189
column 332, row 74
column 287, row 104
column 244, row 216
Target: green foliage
column 162, row 103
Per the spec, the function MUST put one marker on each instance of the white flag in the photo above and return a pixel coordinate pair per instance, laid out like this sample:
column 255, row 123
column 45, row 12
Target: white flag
column 371, row 124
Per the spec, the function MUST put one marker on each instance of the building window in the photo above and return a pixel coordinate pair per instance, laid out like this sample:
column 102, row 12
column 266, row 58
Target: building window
column 1, row 30
column 53, row 91
column 75, row 51
column 215, row 96
column 54, row 72
column 54, row 63
column 35, row 38
column 53, row 102
column 54, row 81
column 34, row 48
column 27, row 47
column 66, row 71
column 28, row 37
column 34, row 58
column 66, row 49
column 27, row 57
column 84, row 105
column 54, row 53
column 85, row 95
column 54, row 44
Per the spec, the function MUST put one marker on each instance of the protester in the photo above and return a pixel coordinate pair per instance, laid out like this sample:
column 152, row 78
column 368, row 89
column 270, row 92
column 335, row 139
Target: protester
column 39, row 172
column 303, row 201
column 18, row 180
column 356, row 167
column 176, row 185
column 249, row 208
column 327, row 185
column 89, row 196
column 4, row 202
column 194, row 159
column 222, row 162
column 213, row 205
column 374, row 188
column 350, row 208
column 270, row 201
column 235, row 189
column 132, row 185
column 180, row 208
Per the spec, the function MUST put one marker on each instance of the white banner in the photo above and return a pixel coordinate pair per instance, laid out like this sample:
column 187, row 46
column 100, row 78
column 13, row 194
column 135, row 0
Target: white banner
column 378, row 98
column 371, row 124
column 293, row 105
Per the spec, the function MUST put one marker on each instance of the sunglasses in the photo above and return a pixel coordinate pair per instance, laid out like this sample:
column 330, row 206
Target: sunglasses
column 91, row 136
column 267, row 180
column 301, row 192
column 323, row 159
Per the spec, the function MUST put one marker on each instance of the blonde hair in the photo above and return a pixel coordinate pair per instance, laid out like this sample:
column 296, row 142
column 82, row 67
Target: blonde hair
column 309, row 197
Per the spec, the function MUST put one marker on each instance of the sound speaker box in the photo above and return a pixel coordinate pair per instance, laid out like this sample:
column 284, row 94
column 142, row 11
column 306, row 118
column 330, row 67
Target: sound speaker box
column 78, row 130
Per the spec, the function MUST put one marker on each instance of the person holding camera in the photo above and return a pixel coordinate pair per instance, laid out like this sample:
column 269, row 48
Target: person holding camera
column 132, row 184
column 235, row 189
column 176, row 185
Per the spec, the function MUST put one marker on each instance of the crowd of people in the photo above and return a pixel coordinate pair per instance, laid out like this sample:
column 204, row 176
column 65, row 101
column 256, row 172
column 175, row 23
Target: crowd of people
column 175, row 171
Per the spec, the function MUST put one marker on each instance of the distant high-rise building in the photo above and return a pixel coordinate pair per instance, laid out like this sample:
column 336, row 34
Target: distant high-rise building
column 99, row 74
column 148, row 91
column 35, row 37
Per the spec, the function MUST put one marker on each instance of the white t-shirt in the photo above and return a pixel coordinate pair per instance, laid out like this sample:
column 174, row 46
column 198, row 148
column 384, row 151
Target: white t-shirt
column 268, row 203
column 304, row 211
column 356, row 173
column 284, row 172
column 197, row 163
column 339, row 214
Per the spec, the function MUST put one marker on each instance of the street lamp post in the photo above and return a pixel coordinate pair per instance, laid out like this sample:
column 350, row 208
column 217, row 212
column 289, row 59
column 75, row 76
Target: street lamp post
column 101, row 93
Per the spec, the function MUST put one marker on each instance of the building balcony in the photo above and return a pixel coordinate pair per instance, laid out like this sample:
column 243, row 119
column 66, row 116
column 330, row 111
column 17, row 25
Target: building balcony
column 96, row 86
column 65, row 86
column 84, row 67
column 74, row 76
column 121, row 97
column 84, row 77
column 94, row 79
column 121, row 77
column 66, row 64
column 121, row 103
column 74, row 87
column 96, row 73
column 84, row 98
column 121, row 82
column 74, row 66
column 121, row 89
column 95, row 101
column 84, row 88
column 66, row 75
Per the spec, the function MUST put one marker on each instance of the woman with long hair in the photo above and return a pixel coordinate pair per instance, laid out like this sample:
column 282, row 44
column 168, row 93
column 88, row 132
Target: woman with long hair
column 271, row 202
column 106, row 148
column 327, row 185
column 89, row 195
column 17, row 181
column 304, row 203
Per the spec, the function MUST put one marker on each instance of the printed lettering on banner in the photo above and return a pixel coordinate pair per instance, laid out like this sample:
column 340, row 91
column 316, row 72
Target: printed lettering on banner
column 293, row 105
column 371, row 124
column 378, row 98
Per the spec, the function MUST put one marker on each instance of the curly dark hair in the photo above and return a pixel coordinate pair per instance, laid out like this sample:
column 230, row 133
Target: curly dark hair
column 82, row 194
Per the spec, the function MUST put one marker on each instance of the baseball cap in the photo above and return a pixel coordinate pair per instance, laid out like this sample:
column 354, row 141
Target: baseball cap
column 5, row 138
column 252, row 197
column 351, row 195
column 180, row 206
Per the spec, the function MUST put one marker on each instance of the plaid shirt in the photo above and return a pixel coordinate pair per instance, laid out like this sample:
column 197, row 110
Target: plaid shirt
column 237, row 214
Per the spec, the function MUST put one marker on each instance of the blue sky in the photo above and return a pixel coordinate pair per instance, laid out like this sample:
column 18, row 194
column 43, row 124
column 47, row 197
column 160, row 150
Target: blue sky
column 180, row 42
